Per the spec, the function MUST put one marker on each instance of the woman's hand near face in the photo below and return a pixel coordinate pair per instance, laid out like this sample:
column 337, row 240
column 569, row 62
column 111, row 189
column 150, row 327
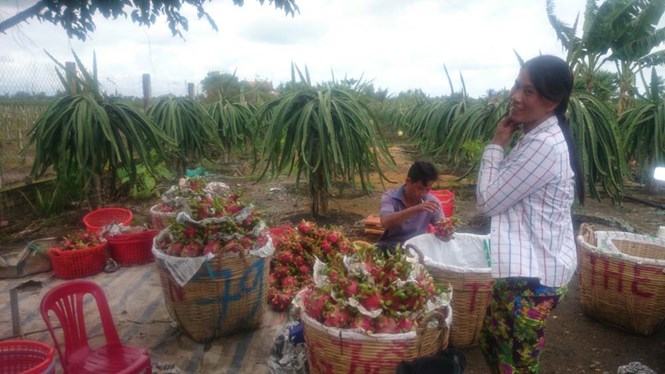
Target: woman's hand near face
column 504, row 131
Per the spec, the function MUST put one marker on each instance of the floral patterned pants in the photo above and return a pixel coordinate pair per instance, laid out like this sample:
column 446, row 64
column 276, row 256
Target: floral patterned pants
column 513, row 331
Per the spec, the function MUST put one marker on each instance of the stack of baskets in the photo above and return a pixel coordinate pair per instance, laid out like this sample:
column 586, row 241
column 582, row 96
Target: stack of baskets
column 622, row 279
column 373, row 225
column 470, row 278
column 88, row 261
column 98, row 218
column 132, row 248
column 161, row 220
column 447, row 200
column 26, row 357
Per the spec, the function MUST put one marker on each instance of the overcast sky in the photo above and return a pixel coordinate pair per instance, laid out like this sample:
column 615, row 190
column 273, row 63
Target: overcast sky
column 398, row 44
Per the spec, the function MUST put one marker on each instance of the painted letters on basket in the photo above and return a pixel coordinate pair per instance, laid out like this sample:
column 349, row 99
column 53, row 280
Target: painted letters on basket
column 607, row 273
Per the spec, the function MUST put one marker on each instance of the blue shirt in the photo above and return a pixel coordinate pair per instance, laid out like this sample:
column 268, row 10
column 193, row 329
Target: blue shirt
column 393, row 201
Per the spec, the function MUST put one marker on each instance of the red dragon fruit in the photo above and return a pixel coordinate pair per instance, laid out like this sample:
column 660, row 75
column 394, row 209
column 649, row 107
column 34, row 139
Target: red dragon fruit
column 284, row 257
column 279, row 300
column 364, row 323
column 371, row 301
column 192, row 249
column 211, row 247
column 351, row 288
column 305, row 227
column 305, row 270
column 337, row 316
column 325, row 246
column 189, row 232
column 315, row 303
column 333, row 237
column 405, row 324
column 385, row 324
column 289, row 282
column 175, row 249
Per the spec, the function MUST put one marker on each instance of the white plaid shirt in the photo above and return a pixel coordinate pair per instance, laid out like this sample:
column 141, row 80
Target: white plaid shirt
column 529, row 195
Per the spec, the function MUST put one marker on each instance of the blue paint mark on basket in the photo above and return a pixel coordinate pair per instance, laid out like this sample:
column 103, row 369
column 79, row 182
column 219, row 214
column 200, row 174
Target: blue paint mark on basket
column 251, row 278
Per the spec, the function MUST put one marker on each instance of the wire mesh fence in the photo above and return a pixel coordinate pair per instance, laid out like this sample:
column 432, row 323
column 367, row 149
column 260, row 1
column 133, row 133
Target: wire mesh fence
column 27, row 79
column 16, row 120
column 26, row 90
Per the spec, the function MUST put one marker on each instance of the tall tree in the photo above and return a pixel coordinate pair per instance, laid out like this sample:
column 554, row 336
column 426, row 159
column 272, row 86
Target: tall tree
column 217, row 85
column 628, row 30
column 593, row 121
column 76, row 16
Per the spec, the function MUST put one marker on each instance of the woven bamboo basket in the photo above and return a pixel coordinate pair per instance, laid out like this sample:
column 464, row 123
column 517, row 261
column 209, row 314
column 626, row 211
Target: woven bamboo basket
column 160, row 220
column 226, row 295
column 471, row 296
column 622, row 279
column 472, row 291
column 331, row 350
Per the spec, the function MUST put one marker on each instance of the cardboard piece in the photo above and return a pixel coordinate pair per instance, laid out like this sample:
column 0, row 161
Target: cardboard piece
column 32, row 259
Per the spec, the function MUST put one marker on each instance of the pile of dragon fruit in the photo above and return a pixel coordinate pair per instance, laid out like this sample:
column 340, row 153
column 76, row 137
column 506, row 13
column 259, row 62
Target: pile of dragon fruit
column 295, row 253
column 179, row 196
column 371, row 291
column 80, row 240
column 217, row 222
column 445, row 229
column 198, row 197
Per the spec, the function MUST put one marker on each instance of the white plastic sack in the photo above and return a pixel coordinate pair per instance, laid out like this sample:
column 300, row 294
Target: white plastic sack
column 182, row 269
column 604, row 244
column 463, row 253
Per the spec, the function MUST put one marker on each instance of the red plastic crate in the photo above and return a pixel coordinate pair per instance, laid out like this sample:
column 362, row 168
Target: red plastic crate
column 132, row 249
column 447, row 201
column 160, row 220
column 98, row 218
column 79, row 262
column 26, row 357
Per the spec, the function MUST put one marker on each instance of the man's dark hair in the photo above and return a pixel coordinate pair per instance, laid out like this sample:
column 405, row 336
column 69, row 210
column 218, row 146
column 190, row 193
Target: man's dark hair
column 422, row 171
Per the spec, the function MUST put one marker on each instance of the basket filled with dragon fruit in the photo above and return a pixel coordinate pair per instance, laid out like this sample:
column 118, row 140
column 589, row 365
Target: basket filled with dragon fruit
column 368, row 311
column 213, row 268
column 188, row 195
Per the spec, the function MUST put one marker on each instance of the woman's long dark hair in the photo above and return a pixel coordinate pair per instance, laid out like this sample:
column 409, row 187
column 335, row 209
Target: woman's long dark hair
column 553, row 80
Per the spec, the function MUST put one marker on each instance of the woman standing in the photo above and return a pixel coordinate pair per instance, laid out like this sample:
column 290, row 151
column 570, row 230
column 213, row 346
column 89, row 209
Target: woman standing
column 528, row 194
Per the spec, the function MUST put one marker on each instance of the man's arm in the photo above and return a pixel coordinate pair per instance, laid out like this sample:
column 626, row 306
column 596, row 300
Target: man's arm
column 392, row 219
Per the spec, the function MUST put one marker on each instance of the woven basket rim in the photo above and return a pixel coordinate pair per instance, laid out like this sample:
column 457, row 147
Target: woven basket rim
column 225, row 255
column 428, row 263
column 620, row 255
column 58, row 250
column 127, row 215
column 133, row 237
column 153, row 210
column 359, row 335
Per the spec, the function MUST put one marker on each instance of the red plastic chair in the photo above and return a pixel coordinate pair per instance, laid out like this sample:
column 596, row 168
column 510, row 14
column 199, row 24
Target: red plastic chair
column 66, row 302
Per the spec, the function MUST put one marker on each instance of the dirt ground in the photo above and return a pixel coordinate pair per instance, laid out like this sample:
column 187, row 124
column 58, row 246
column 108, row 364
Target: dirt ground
column 575, row 343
